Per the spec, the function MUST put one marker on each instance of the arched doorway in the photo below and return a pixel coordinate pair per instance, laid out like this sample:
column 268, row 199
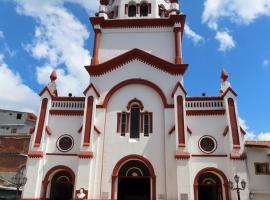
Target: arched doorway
column 58, row 183
column 211, row 184
column 133, row 179
column 61, row 186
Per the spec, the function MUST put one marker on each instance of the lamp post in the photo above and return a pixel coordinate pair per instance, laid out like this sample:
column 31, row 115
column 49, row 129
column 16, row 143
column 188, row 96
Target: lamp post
column 237, row 188
column 19, row 180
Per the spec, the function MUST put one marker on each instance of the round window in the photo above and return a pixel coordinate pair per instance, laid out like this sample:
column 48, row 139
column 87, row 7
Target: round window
column 207, row 144
column 65, row 143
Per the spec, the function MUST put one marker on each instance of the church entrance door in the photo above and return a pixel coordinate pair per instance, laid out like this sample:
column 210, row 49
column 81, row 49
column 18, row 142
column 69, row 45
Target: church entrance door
column 210, row 187
column 61, row 186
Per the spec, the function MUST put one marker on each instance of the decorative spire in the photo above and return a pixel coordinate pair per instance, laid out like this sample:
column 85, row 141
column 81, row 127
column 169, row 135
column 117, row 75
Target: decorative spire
column 224, row 75
column 52, row 84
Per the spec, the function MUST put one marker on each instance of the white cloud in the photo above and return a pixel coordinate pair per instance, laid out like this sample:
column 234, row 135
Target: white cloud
column 237, row 11
column 266, row 62
column 264, row 136
column 225, row 39
column 89, row 5
column 2, row 34
column 15, row 95
column 195, row 37
column 59, row 41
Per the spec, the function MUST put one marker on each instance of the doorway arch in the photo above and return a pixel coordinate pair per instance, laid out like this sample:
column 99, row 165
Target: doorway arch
column 57, row 179
column 211, row 182
column 130, row 172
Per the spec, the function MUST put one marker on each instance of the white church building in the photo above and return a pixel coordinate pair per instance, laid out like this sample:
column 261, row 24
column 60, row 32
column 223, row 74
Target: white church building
column 136, row 134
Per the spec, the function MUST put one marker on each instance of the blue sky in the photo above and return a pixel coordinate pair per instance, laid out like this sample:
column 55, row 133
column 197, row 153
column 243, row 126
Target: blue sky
column 38, row 36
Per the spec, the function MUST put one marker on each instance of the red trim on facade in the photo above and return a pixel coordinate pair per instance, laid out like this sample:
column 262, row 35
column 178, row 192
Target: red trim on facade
column 133, row 82
column 80, row 129
column 233, row 122
column 68, row 98
column 119, row 61
column 178, row 84
column 95, row 59
column 189, row 130
column 146, row 22
column 48, row 130
column 181, row 155
column 180, row 121
column 204, row 98
column 209, row 155
column 231, row 90
column 205, row 112
column 238, row 156
column 41, row 122
column 67, row 112
column 93, row 87
column 135, row 101
column 46, row 89
column 35, row 154
column 177, row 39
column 118, row 122
column 46, row 180
column 223, row 177
column 88, row 121
column 226, row 130
column 85, row 154
column 172, row 130
column 243, row 131
column 97, row 130
column 122, row 161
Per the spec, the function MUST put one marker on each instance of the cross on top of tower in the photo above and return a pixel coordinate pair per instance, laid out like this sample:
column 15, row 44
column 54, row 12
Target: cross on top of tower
column 125, row 9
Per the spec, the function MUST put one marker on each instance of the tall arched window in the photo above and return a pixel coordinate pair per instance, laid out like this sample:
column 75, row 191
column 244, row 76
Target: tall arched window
column 132, row 10
column 135, row 121
column 144, row 9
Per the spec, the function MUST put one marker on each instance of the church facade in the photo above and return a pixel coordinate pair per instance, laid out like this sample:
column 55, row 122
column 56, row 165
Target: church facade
column 136, row 134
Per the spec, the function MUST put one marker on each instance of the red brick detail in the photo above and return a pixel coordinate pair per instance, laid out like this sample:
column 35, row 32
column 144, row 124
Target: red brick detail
column 205, row 112
column 126, row 159
column 67, row 112
column 88, row 121
column 224, row 180
column 233, row 122
column 85, row 154
column 141, row 122
column 172, row 130
column 231, row 90
column 95, row 59
column 35, row 154
column 226, row 130
column 189, row 131
column 127, row 122
column 180, row 121
column 243, row 131
column 93, row 87
column 181, row 155
column 41, row 122
column 48, row 130
column 80, row 129
column 134, row 82
column 97, row 130
column 150, row 122
column 118, row 122
column 135, row 101
column 204, row 98
column 178, row 84
column 119, row 61
column 238, row 156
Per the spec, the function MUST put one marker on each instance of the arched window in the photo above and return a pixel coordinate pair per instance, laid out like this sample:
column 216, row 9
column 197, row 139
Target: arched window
column 135, row 121
column 132, row 10
column 144, row 9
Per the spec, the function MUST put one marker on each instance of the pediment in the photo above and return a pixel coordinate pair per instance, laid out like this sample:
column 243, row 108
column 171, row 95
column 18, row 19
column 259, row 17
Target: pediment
column 136, row 54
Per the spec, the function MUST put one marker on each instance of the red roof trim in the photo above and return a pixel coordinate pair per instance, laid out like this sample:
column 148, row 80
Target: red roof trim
column 178, row 84
column 48, row 90
column 181, row 155
column 48, row 130
column 146, row 22
column 67, row 112
column 205, row 112
column 94, row 88
column 226, row 130
column 231, row 90
column 85, row 154
column 35, row 154
column 238, row 156
column 204, row 98
column 119, row 61
column 137, row 101
column 68, row 99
